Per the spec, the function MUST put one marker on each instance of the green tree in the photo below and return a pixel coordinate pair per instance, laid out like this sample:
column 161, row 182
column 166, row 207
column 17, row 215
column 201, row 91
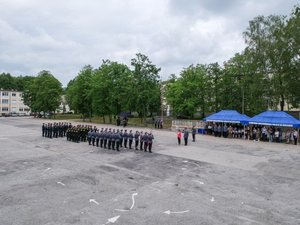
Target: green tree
column 144, row 95
column 111, row 90
column 44, row 93
column 189, row 93
column 79, row 92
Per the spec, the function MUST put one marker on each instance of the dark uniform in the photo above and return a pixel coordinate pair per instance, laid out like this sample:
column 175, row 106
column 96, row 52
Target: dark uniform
column 130, row 138
column 136, row 138
column 125, row 137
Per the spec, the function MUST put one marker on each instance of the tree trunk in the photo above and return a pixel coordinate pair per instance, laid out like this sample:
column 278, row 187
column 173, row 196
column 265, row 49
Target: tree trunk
column 281, row 102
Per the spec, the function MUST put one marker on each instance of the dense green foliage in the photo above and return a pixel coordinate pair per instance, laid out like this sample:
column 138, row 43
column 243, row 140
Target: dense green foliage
column 43, row 94
column 9, row 82
column 113, row 88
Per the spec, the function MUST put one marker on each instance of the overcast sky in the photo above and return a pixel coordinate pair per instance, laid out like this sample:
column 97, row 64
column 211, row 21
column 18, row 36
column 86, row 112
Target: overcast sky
column 64, row 35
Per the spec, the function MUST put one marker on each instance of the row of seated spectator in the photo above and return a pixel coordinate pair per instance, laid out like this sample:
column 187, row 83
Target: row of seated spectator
column 255, row 133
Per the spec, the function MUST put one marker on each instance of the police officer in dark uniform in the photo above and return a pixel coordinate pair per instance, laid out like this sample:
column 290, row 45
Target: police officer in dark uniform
column 136, row 138
column 130, row 138
column 125, row 136
column 118, row 139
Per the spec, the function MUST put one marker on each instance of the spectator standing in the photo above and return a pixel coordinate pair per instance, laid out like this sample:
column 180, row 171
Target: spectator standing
column 185, row 136
column 179, row 137
column 295, row 136
column 276, row 134
column 194, row 133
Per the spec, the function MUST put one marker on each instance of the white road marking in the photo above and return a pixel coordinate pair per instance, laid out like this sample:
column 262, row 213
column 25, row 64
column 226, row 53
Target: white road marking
column 134, row 194
column 212, row 199
column 61, row 183
column 125, row 210
column 47, row 169
column 94, row 201
column 113, row 219
column 199, row 182
column 170, row 212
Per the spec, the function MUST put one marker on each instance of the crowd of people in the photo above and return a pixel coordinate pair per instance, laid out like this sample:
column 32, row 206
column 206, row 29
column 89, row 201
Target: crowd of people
column 107, row 138
column 255, row 133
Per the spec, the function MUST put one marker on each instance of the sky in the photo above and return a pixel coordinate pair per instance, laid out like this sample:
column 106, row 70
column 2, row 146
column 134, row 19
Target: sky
column 62, row 36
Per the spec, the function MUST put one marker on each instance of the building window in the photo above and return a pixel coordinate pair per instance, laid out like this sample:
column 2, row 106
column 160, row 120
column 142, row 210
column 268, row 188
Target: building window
column 4, row 93
column 21, row 109
column 5, row 109
column 14, row 94
column 26, row 109
column 4, row 101
column 21, row 95
column 14, row 109
column 13, row 102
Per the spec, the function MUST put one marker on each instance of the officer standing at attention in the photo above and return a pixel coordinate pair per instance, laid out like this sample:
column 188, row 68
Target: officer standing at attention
column 136, row 138
column 141, row 141
column 130, row 138
column 97, row 137
column 105, row 138
column 185, row 136
column 43, row 129
column 89, row 136
column 193, row 133
column 125, row 136
column 150, row 140
column 121, row 141
column 101, row 138
column 113, row 139
column 145, row 140
column 118, row 139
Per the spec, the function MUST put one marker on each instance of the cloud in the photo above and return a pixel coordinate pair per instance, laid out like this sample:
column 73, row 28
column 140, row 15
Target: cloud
column 63, row 36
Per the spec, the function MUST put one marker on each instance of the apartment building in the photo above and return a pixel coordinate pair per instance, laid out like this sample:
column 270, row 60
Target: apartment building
column 11, row 103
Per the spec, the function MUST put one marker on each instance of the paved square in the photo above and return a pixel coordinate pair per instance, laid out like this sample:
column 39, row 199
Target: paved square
column 210, row 182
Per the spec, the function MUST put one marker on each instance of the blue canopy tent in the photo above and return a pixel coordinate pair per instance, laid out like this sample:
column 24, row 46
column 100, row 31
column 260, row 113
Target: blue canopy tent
column 228, row 116
column 275, row 118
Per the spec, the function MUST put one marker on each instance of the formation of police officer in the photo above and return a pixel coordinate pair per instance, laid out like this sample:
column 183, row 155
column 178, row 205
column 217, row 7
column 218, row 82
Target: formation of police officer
column 114, row 139
column 106, row 138
column 55, row 130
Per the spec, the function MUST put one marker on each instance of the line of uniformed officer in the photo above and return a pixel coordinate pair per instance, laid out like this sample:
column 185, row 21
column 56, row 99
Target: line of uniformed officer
column 109, row 138
column 55, row 130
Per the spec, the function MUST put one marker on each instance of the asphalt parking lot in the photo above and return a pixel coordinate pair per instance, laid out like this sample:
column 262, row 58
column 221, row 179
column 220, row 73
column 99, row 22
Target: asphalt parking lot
column 210, row 182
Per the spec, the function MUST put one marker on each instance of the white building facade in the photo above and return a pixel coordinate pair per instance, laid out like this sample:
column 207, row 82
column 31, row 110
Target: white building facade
column 11, row 103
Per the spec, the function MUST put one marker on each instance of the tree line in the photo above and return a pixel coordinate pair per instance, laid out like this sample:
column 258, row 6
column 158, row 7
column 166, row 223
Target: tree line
column 265, row 75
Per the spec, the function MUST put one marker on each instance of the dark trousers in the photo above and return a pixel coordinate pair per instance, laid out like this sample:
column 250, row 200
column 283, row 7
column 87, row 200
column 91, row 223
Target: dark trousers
column 113, row 144
column 295, row 141
column 109, row 144
column 179, row 140
column 117, row 145
column 136, row 144
column 141, row 145
column 93, row 141
column 130, row 143
column 101, row 143
column 89, row 139
column 185, row 141
column 97, row 142
column 193, row 137
column 125, row 143
column 145, row 146
column 150, row 146
column 105, row 143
